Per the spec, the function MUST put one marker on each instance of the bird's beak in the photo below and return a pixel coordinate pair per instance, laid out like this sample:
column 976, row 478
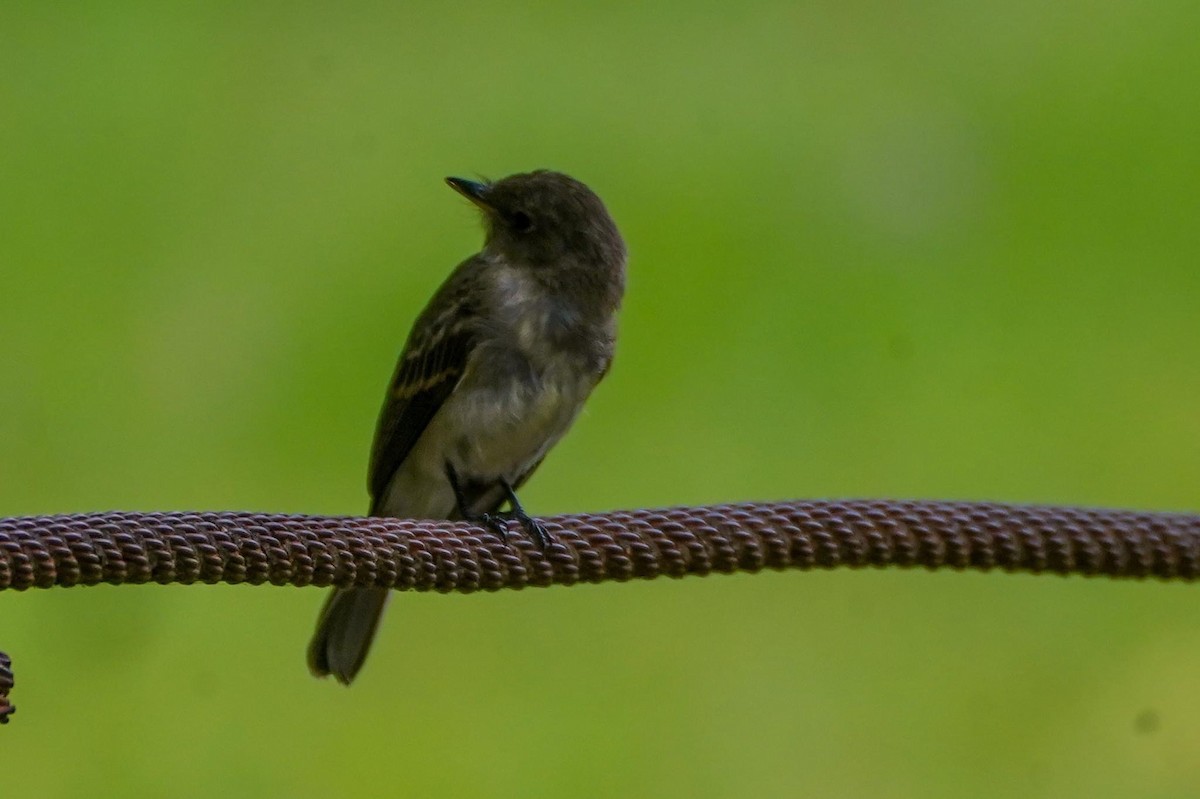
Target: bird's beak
column 475, row 192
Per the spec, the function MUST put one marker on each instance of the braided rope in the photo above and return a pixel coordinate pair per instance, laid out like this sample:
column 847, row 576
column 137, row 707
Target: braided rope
column 419, row 555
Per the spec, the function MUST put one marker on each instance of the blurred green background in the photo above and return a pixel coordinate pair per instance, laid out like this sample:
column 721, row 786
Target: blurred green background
column 936, row 250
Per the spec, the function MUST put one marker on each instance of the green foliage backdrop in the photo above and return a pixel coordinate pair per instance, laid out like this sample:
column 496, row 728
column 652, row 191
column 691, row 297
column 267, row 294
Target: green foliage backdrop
column 936, row 250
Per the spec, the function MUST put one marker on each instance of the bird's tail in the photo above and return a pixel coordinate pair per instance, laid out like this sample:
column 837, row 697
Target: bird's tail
column 345, row 629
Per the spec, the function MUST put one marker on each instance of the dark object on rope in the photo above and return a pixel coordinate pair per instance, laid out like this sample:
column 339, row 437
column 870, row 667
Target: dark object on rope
column 6, row 683
column 419, row 555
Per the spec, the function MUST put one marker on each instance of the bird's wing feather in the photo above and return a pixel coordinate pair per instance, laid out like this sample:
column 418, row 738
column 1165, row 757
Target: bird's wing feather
column 431, row 365
column 424, row 379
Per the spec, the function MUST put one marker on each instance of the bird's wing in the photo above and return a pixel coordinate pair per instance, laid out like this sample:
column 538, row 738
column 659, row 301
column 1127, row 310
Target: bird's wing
column 431, row 365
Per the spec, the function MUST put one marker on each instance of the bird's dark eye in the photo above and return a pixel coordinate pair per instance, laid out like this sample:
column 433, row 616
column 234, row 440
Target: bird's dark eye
column 520, row 222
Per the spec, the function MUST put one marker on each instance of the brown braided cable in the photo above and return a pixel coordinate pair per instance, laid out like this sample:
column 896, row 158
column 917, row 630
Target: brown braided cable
column 419, row 555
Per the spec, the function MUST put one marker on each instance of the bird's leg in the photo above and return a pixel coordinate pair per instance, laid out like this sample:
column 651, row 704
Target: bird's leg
column 498, row 522
column 493, row 521
column 532, row 527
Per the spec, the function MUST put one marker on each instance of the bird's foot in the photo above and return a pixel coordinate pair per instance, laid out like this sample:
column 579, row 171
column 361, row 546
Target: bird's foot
column 498, row 524
column 534, row 529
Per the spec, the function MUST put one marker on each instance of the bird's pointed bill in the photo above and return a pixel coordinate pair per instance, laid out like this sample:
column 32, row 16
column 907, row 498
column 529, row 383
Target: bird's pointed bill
column 472, row 190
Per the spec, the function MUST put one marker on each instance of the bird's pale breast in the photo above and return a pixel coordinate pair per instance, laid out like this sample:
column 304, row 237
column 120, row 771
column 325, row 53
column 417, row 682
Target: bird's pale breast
column 517, row 397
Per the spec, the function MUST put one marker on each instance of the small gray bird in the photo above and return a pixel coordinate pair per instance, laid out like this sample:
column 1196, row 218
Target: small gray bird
column 495, row 370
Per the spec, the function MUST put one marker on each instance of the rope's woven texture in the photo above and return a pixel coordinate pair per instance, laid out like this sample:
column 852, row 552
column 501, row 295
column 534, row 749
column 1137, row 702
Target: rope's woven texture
column 406, row 554
column 212, row 547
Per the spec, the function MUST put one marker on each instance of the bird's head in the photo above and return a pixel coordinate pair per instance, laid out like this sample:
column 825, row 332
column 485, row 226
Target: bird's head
column 545, row 219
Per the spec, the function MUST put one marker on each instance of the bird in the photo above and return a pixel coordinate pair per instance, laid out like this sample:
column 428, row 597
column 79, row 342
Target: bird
column 493, row 373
